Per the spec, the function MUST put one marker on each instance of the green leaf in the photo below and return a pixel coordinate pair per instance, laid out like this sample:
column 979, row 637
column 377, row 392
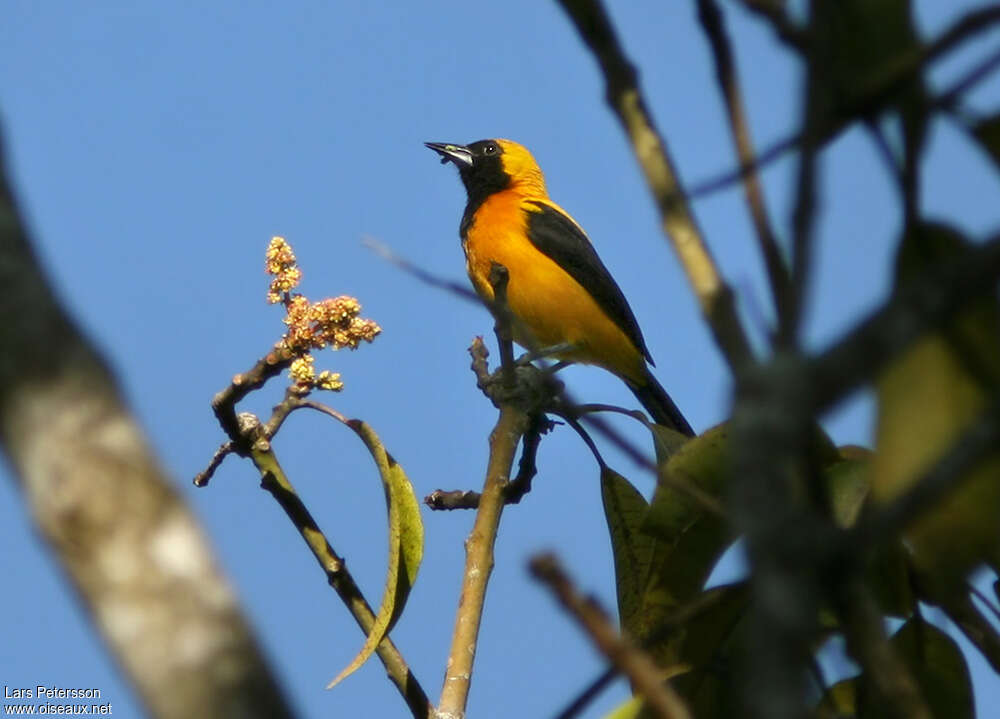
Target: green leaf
column 937, row 664
column 849, row 487
column 927, row 399
column 406, row 544
column 629, row 710
column 691, row 537
column 840, row 700
column 864, row 40
column 625, row 509
column 710, row 646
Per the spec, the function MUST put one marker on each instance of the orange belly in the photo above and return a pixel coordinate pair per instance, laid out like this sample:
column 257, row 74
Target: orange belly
column 553, row 308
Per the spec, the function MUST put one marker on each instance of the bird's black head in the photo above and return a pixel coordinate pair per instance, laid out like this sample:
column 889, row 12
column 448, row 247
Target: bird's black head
column 480, row 165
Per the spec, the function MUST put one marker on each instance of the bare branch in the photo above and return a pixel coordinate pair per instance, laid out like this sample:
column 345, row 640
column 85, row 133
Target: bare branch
column 203, row 477
column 509, row 428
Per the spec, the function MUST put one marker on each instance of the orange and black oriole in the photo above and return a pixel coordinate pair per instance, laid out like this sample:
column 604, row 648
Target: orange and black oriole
column 558, row 287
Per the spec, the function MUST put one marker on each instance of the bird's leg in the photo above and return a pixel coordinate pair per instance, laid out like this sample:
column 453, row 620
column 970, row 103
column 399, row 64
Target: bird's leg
column 499, row 277
column 551, row 351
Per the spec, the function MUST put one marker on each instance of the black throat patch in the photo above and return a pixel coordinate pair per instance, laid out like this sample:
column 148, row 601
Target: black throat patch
column 486, row 177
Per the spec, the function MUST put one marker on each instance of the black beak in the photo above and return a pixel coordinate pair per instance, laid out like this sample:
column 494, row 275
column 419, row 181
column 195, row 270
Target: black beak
column 459, row 154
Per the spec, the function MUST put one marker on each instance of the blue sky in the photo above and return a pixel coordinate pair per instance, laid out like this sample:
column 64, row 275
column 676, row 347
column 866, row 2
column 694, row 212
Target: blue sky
column 156, row 147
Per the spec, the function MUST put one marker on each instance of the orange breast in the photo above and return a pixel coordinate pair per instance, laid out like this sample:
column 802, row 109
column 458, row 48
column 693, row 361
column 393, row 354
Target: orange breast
column 553, row 307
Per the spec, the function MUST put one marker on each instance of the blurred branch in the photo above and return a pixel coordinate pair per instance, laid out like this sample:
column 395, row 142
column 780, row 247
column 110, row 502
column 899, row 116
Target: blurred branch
column 386, row 253
column 713, row 24
column 788, row 538
column 774, row 401
column 628, row 659
column 897, row 691
column 785, row 539
column 624, row 97
column 724, row 180
column 926, row 303
column 130, row 546
column 255, row 439
column 973, row 77
column 816, row 111
column 873, row 95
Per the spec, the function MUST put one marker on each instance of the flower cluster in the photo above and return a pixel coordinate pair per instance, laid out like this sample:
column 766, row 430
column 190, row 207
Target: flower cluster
column 304, row 375
column 313, row 325
column 333, row 322
column 282, row 266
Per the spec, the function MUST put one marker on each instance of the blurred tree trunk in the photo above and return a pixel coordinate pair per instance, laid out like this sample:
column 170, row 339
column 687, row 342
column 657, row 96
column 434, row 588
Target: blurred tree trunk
column 132, row 549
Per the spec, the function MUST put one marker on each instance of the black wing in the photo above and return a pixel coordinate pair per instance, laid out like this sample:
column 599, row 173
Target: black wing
column 561, row 240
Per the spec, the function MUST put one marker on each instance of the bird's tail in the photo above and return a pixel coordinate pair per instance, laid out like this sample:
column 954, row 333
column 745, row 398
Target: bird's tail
column 659, row 405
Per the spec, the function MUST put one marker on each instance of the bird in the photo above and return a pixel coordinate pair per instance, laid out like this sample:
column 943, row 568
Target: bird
column 559, row 291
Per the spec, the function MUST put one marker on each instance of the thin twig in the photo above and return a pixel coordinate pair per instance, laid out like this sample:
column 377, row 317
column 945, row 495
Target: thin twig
column 815, row 111
column 975, row 627
column 973, row 77
column 590, row 692
column 446, row 500
column 526, row 466
column 428, row 278
column 713, row 23
column 625, row 99
column 628, row 659
column 202, row 478
column 514, row 491
column 773, row 152
column 987, row 602
column 254, row 439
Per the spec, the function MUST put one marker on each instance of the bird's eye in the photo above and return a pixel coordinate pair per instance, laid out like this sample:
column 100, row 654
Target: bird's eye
column 490, row 149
